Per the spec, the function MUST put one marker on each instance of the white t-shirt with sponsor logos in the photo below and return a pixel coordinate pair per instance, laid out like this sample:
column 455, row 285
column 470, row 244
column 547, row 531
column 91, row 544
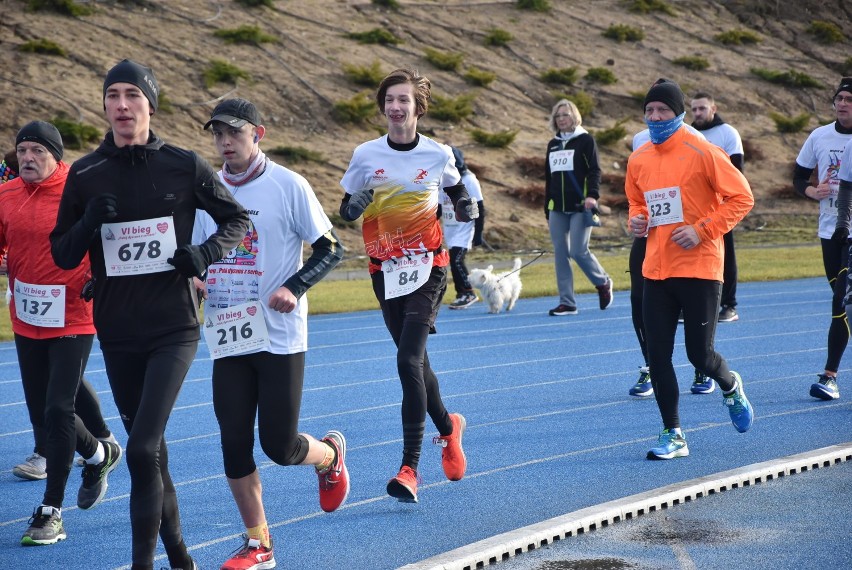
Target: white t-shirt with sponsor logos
column 284, row 213
column 460, row 234
column 846, row 163
column 823, row 150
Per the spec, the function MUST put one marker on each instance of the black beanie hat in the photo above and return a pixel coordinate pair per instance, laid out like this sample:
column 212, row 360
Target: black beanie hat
column 44, row 134
column 668, row 92
column 128, row 71
column 845, row 85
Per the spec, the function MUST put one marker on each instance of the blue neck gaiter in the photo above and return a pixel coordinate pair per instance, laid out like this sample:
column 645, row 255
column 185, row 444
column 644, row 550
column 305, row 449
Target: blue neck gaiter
column 660, row 131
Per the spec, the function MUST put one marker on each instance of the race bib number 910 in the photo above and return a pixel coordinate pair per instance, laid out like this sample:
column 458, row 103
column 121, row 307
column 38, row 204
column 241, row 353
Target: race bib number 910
column 138, row 247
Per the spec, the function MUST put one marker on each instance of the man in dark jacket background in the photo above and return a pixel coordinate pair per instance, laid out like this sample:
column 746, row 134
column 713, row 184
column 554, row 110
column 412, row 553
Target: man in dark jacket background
column 131, row 205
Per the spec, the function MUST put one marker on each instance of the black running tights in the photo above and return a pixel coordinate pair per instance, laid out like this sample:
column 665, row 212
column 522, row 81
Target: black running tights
column 269, row 386
column 51, row 370
column 145, row 386
column 663, row 301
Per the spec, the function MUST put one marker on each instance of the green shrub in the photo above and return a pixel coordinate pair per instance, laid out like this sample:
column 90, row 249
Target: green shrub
column 451, row 109
column 251, row 35
column 42, row 46
column 785, row 124
column 585, row 102
column 479, row 77
column 623, row 33
column 355, row 110
column 220, row 71
column 375, row 36
column 500, row 139
column 497, row 37
column 446, row 60
column 534, row 5
column 638, row 95
column 738, row 37
column 392, row 4
column 791, row 78
column 693, row 62
column 64, row 7
column 563, row 76
column 612, row 135
column 647, row 6
column 826, row 32
column 846, row 66
column 362, row 75
column 601, row 75
column 255, row 3
column 164, row 103
column 75, row 135
column 293, row 154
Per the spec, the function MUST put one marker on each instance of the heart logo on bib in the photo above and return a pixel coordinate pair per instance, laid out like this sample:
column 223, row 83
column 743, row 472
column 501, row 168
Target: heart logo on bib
column 162, row 226
column 251, row 310
column 672, row 193
column 55, row 292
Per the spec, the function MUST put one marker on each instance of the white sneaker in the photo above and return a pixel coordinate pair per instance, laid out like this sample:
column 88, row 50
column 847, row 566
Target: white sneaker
column 34, row 468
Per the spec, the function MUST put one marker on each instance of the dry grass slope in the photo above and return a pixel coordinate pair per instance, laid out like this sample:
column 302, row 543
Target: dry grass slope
column 297, row 79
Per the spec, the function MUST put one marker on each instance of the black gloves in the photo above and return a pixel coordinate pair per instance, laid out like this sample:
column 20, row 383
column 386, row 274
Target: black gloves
column 102, row 208
column 358, row 202
column 192, row 260
column 466, row 210
column 840, row 235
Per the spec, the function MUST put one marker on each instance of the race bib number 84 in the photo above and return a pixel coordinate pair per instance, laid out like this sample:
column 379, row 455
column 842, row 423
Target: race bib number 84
column 406, row 275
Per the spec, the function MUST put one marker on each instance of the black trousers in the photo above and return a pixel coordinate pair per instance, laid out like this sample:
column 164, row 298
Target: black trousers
column 51, row 370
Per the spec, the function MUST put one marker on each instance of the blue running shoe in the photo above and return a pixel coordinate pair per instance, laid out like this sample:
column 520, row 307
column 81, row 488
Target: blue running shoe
column 826, row 388
column 669, row 446
column 742, row 414
column 702, row 384
column 643, row 387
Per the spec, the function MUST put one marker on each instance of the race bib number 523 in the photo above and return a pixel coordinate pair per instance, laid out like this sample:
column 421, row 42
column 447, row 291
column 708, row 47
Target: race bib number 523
column 664, row 206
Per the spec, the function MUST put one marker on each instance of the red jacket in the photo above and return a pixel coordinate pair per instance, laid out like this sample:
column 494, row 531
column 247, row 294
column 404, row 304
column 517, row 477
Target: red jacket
column 27, row 216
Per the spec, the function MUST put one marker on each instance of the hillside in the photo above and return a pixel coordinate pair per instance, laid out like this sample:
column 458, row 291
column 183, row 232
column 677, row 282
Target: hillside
column 296, row 81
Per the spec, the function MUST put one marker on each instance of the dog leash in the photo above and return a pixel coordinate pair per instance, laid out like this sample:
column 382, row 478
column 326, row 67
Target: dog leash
column 533, row 260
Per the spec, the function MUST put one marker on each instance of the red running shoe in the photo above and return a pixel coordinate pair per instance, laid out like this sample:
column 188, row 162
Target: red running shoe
column 250, row 556
column 403, row 487
column 334, row 481
column 452, row 456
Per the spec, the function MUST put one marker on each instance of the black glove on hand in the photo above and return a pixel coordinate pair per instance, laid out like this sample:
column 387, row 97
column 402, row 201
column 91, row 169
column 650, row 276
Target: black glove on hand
column 840, row 235
column 102, row 208
column 358, row 202
column 191, row 260
column 466, row 210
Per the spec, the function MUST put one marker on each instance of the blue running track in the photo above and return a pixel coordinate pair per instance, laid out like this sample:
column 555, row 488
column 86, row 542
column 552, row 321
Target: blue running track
column 550, row 430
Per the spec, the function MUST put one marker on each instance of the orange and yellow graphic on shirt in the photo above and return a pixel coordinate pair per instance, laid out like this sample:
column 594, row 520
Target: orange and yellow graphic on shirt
column 401, row 222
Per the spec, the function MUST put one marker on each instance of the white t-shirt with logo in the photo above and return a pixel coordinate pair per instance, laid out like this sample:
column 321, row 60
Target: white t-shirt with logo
column 725, row 137
column 284, row 213
column 823, row 150
column 460, row 234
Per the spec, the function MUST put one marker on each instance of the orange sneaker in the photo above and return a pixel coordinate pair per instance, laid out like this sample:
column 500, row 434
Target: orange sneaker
column 250, row 556
column 334, row 482
column 452, row 456
column 403, row 487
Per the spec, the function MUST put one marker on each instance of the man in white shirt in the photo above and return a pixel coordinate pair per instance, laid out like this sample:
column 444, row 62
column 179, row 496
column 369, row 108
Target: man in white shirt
column 707, row 120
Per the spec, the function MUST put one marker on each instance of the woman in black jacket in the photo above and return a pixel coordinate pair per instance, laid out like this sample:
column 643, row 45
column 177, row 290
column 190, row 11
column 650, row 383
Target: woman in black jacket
column 571, row 197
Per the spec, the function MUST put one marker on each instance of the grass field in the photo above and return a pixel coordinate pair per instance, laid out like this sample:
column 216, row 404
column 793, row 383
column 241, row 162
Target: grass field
column 755, row 263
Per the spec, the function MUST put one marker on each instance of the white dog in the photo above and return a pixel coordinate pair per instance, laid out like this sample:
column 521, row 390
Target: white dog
column 498, row 289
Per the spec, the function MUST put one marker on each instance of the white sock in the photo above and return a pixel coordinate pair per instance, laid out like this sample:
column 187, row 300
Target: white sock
column 677, row 431
column 99, row 455
column 732, row 390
